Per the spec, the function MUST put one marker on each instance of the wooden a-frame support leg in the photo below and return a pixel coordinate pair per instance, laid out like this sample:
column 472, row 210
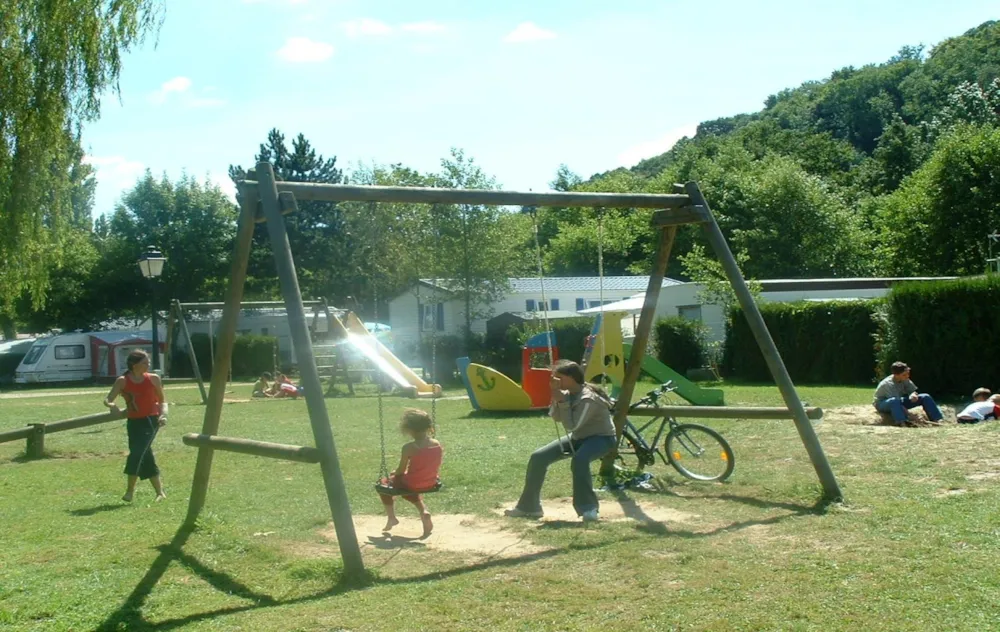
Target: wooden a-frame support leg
column 223, row 354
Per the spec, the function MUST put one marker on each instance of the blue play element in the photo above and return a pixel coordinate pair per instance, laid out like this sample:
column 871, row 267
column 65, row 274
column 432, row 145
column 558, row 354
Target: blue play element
column 544, row 339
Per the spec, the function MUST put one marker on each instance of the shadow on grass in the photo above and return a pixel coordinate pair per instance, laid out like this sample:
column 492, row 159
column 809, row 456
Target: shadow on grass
column 391, row 542
column 90, row 511
column 129, row 615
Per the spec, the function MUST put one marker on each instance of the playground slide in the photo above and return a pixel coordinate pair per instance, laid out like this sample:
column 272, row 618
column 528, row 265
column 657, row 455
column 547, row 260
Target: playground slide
column 685, row 388
column 490, row 389
column 360, row 338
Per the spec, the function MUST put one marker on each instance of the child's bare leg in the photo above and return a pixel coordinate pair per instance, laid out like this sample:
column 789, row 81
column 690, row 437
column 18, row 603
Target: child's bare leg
column 158, row 487
column 130, row 488
column 425, row 516
column 390, row 513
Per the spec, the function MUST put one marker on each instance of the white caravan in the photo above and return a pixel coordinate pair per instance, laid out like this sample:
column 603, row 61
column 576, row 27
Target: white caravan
column 62, row 358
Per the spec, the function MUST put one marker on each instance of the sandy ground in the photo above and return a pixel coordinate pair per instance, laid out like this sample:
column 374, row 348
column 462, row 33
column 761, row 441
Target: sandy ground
column 493, row 538
column 867, row 416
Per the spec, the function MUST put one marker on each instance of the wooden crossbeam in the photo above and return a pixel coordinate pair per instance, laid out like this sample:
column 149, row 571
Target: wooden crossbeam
column 691, row 214
column 723, row 412
column 301, row 454
column 433, row 195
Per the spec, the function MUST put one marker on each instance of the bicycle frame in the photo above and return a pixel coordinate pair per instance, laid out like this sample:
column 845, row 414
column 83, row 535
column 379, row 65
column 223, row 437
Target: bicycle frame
column 635, row 433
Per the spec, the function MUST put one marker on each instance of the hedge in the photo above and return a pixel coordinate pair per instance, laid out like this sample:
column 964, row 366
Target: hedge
column 830, row 342
column 680, row 343
column 946, row 331
column 504, row 353
column 252, row 355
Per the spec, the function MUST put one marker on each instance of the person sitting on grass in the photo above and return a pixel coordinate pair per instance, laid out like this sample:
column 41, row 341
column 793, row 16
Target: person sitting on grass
column 261, row 387
column 896, row 394
column 418, row 469
column 984, row 407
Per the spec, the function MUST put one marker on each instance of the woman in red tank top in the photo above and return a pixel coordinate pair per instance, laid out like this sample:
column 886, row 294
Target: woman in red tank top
column 419, row 465
column 147, row 413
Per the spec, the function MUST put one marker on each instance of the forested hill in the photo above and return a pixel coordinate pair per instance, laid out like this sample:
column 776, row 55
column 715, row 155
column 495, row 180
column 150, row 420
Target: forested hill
column 889, row 169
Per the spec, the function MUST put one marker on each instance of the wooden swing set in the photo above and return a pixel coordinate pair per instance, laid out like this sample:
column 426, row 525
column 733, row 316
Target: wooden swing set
column 263, row 199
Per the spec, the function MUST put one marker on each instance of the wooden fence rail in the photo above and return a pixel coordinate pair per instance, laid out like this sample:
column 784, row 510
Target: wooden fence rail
column 723, row 412
column 35, row 433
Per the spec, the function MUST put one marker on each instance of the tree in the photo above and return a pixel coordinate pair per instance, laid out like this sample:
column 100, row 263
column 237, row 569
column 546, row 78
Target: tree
column 317, row 233
column 936, row 222
column 478, row 247
column 193, row 224
column 969, row 104
column 392, row 243
column 58, row 57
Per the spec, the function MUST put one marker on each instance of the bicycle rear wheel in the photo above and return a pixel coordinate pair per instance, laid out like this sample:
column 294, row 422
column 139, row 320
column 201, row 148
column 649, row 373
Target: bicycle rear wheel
column 699, row 453
column 632, row 456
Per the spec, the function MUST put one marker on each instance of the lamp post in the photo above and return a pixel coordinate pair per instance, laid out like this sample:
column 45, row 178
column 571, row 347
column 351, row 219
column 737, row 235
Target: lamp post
column 151, row 264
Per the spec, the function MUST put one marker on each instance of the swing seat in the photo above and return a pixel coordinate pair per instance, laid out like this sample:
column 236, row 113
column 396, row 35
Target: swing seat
column 385, row 489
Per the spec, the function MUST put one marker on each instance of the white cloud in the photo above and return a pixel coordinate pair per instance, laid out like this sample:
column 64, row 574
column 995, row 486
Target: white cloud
column 528, row 32
column 177, row 85
column 424, row 28
column 365, row 27
column 301, row 50
column 181, row 89
column 633, row 155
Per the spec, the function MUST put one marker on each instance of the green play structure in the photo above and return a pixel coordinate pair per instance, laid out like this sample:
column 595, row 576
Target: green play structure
column 685, row 388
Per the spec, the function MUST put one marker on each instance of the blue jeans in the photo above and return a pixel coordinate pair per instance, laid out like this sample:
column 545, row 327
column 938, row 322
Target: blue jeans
column 898, row 406
column 586, row 451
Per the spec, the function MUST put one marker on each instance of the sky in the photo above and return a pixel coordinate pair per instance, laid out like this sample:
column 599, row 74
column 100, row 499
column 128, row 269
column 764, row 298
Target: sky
column 521, row 86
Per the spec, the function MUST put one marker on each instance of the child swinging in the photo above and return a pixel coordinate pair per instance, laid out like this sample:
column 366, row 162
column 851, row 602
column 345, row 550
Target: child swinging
column 418, row 469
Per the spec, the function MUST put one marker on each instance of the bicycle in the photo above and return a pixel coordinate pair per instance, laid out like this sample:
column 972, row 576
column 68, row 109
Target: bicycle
column 695, row 451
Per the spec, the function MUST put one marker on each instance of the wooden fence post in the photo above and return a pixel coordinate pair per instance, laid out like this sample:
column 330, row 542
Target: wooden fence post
column 36, row 442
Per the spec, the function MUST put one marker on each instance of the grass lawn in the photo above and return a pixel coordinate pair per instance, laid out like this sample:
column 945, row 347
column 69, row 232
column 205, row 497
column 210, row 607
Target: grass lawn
column 914, row 545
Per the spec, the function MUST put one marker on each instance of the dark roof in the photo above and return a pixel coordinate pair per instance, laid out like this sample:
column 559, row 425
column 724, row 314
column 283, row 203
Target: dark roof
column 861, row 283
column 524, row 285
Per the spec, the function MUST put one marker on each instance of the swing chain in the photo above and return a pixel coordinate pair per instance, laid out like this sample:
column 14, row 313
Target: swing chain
column 383, row 467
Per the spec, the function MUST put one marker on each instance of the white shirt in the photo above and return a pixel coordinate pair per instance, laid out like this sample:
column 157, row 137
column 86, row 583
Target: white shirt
column 977, row 410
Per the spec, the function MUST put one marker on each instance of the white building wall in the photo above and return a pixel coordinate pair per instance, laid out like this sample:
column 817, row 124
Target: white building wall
column 403, row 311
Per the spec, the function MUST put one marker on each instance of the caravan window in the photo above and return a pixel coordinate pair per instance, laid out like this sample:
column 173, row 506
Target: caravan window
column 70, row 352
column 34, row 354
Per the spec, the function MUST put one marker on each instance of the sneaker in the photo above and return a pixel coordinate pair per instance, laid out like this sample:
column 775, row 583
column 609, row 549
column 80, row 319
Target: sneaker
column 520, row 513
column 590, row 516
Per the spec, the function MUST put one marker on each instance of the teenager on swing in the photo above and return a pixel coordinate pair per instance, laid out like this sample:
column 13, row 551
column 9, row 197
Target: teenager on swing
column 585, row 411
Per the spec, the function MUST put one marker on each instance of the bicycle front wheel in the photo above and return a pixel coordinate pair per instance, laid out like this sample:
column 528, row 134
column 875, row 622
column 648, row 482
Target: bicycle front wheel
column 699, row 453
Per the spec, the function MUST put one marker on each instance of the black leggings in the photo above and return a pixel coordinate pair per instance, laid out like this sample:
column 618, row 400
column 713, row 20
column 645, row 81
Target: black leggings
column 140, row 461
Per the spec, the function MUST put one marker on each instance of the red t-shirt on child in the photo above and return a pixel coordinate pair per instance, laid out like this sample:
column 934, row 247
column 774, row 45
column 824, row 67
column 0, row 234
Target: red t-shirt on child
column 140, row 398
column 424, row 467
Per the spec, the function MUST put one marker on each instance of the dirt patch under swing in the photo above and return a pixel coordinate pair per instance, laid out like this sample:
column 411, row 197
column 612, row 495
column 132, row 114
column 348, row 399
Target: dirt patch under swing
column 492, row 538
column 866, row 415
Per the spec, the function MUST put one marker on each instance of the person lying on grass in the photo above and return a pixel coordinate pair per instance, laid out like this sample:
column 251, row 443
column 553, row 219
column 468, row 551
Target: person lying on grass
column 984, row 407
column 418, row 469
column 896, row 394
column 283, row 387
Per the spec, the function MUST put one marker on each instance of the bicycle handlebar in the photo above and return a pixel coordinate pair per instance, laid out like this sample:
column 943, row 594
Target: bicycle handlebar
column 654, row 395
